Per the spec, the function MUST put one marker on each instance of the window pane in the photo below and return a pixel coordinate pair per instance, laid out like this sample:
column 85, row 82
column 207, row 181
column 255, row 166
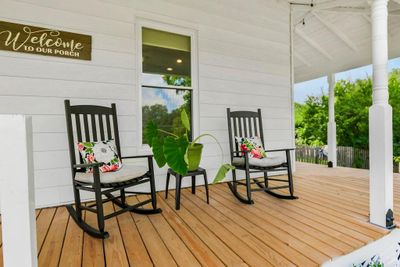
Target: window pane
column 165, row 55
column 163, row 106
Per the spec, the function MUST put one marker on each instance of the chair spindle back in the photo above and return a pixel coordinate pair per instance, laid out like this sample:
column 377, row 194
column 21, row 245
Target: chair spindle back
column 243, row 124
column 87, row 123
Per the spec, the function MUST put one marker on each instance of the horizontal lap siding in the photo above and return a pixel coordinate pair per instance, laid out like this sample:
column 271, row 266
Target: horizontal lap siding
column 243, row 64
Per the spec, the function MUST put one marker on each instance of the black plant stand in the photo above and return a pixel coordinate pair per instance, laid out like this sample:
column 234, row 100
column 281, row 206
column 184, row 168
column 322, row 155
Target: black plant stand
column 178, row 178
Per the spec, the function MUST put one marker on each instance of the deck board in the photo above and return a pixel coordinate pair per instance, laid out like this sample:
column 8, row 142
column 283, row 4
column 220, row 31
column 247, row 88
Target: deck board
column 278, row 226
column 156, row 248
column 291, row 248
column 93, row 250
column 135, row 249
column 178, row 249
column 43, row 222
column 71, row 254
column 228, row 232
column 329, row 219
column 115, row 254
column 51, row 250
column 224, row 252
column 260, row 243
column 200, row 250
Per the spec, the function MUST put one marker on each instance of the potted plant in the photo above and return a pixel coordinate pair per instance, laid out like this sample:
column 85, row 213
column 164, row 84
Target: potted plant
column 177, row 151
column 396, row 163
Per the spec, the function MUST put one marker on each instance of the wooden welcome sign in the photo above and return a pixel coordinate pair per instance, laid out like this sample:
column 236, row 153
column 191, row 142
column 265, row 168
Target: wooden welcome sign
column 35, row 40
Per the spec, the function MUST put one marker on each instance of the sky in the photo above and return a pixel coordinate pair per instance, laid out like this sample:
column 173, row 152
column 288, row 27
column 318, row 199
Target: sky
column 320, row 86
column 167, row 97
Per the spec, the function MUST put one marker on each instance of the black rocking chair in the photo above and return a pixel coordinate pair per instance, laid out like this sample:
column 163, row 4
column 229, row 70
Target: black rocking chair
column 96, row 123
column 249, row 124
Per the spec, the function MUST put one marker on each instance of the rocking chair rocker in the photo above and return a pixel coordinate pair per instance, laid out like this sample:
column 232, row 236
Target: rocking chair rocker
column 101, row 124
column 249, row 124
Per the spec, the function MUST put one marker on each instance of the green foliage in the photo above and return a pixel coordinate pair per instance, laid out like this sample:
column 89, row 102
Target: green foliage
column 158, row 113
column 223, row 170
column 175, row 149
column 158, row 151
column 375, row 263
column 352, row 102
column 176, row 80
column 185, row 120
column 358, row 162
column 168, row 121
column 172, row 149
column 311, row 121
column 150, row 131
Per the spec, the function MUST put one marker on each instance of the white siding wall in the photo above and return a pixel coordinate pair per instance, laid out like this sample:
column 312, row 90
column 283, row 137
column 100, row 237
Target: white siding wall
column 243, row 64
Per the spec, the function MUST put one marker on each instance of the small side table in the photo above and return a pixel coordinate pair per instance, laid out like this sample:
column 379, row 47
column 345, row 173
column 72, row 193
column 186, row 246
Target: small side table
column 178, row 178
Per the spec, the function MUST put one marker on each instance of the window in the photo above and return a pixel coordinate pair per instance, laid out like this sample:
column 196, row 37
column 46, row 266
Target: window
column 166, row 79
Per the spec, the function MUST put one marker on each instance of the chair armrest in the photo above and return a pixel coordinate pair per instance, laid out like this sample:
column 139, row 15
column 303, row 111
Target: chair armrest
column 88, row 165
column 137, row 157
column 282, row 149
column 149, row 160
column 241, row 154
column 96, row 171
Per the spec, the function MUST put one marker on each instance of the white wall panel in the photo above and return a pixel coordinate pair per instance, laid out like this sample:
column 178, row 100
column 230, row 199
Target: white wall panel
column 243, row 55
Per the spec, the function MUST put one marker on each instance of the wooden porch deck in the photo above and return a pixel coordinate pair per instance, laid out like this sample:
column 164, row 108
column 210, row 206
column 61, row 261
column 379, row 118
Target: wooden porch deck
column 329, row 219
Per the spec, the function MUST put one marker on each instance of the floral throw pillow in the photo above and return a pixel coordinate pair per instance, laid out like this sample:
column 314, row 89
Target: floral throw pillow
column 253, row 145
column 103, row 151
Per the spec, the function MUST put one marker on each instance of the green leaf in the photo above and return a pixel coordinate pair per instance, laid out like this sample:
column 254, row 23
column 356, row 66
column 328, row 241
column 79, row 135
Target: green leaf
column 88, row 144
column 150, row 131
column 186, row 158
column 185, row 120
column 158, row 151
column 223, row 170
column 174, row 152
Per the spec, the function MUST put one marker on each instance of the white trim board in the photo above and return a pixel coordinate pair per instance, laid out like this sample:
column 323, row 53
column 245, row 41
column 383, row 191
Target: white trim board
column 387, row 249
column 165, row 26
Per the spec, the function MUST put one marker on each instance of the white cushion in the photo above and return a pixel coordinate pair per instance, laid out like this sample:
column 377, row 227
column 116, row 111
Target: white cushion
column 127, row 172
column 268, row 161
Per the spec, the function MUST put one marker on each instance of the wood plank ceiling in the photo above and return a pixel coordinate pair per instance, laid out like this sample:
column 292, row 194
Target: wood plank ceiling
column 335, row 35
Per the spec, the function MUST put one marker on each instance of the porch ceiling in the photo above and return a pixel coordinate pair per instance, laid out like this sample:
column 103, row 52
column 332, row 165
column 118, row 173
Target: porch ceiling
column 336, row 36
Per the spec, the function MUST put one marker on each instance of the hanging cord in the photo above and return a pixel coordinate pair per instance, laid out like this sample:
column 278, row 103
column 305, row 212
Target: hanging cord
column 303, row 19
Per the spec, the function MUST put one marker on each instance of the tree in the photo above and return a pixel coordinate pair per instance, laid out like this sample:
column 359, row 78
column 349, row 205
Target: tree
column 311, row 121
column 352, row 102
column 177, row 80
column 394, row 100
column 170, row 121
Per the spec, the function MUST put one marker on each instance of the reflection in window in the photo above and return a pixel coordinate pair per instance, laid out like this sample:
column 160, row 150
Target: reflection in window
column 166, row 78
column 164, row 106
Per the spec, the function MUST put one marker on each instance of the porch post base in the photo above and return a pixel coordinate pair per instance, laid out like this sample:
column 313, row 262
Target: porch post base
column 332, row 143
column 390, row 220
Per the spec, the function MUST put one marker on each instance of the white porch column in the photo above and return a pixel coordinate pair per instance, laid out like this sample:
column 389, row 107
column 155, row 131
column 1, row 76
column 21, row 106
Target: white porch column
column 332, row 123
column 380, row 121
column 17, row 191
